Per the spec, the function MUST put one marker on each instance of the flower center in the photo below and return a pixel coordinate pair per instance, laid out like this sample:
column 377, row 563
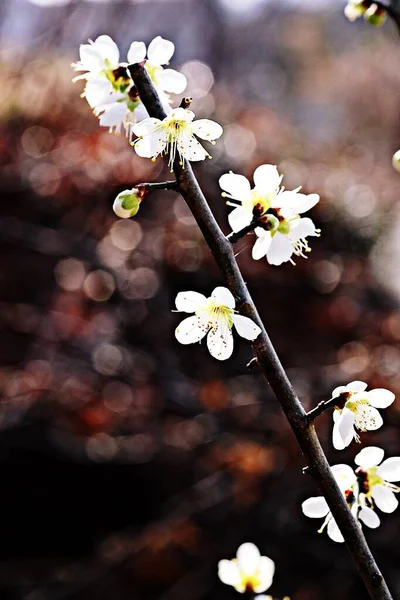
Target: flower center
column 118, row 78
column 216, row 312
column 153, row 71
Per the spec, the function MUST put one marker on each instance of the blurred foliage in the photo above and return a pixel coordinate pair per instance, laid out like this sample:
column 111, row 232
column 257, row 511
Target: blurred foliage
column 131, row 465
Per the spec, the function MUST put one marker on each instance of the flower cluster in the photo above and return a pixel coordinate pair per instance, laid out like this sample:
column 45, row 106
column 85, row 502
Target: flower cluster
column 109, row 89
column 369, row 487
column 281, row 232
column 372, row 12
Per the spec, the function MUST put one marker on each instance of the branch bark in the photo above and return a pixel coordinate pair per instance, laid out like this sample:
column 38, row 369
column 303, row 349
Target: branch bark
column 267, row 358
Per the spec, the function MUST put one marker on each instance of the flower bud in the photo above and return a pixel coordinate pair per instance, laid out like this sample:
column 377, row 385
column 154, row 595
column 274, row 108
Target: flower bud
column 127, row 203
column 354, row 11
column 375, row 15
column 396, row 160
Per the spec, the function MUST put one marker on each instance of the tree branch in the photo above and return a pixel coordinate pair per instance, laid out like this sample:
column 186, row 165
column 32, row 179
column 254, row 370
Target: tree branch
column 267, row 358
column 162, row 185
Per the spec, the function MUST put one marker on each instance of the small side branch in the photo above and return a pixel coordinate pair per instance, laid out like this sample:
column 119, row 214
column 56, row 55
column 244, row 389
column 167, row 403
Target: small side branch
column 235, row 236
column 162, row 185
column 320, row 408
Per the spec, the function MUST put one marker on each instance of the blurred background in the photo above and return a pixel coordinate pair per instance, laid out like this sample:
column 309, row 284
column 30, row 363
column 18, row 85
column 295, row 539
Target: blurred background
column 130, row 464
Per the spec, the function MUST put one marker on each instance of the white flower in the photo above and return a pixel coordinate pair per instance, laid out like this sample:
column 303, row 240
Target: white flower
column 98, row 57
column 215, row 316
column 317, row 507
column 159, row 53
column 375, row 479
column 127, row 203
column 175, row 135
column 249, row 571
column 357, row 409
column 282, row 231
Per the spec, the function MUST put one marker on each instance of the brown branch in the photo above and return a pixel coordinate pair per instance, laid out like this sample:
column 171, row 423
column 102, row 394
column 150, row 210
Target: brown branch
column 320, row 408
column 267, row 358
column 235, row 236
column 162, row 185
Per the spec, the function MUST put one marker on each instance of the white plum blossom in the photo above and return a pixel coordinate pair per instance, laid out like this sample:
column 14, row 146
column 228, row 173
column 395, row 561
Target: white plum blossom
column 109, row 88
column 214, row 316
column 175, row 135
column 357, row 409
column 249, row 571
column 282, row 232
column 317, row 507
column 159, row 53
column 371, row 11
column 375, row 482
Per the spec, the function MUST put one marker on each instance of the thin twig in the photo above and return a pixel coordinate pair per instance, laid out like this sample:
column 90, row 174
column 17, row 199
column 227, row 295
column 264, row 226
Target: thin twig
column 267, row 358
column 162, row 185
column 320, row 408
column 235, row 236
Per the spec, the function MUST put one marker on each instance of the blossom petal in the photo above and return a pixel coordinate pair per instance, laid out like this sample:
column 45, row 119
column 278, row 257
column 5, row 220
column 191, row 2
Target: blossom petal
column 114, row 116
column 369, row 457
column 369, row 517
column 151, row 145
column 303, row 228
column 228, row 572
column 262, row 245
column 344, row 476
column 334, row 531
column 107, row 48
column 248, row 557
column 390, row 469
column 280, row 250
column 237, row 186
column 223, row 297
column 267, row 179
column 189, row 301
column 146, row 127
column 192, row 329
column 160, row 51
column 367, row 418
column 384, row 498
column 315, row 507
column 266, row 570
column 298, row 203
column 206, row 129
column 136, row 52
column 220, row 340
column 356, row 386
column 346, row 426
column 98, row 92
column 339, row 390
column 337, row 439
column 239, row 218
column 380, row 398
column 91, row 59
column 245, row 327
column 171, row 81
column 190, row 148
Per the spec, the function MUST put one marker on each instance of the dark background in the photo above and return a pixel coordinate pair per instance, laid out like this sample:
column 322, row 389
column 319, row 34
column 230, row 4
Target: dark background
column 130, row 465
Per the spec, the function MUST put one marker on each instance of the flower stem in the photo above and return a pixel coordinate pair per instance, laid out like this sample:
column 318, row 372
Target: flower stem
column 152, row 187
column 235, row 236
column 267, row 359
column 320, row 408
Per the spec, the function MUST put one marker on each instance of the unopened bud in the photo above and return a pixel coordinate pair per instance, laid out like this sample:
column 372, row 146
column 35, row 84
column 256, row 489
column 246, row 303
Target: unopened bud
column 375, row 15
column 127, row 203
column 396, row 160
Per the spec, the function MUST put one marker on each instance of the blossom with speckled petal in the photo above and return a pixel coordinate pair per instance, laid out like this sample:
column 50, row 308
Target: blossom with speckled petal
column 175, row 135
column 214, row 316
column 357, row 409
